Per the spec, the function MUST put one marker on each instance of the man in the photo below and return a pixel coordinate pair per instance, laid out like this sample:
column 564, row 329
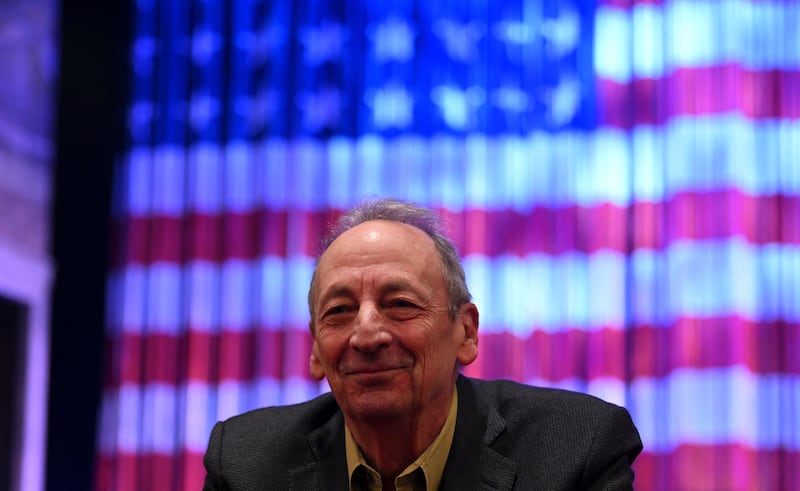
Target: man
column 392, row 323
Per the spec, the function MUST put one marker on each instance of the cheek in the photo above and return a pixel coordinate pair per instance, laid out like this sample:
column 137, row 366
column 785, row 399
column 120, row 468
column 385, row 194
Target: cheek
column 330, row 347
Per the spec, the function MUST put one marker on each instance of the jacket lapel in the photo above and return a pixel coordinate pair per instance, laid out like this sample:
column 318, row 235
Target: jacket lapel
column 327, row 466
column 472, row 459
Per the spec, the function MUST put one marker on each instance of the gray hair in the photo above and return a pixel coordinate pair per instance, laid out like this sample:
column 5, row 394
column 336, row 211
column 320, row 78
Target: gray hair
column 410, row 214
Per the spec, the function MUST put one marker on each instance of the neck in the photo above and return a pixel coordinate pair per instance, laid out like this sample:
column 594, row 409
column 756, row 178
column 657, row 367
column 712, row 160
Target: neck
column 392, row 444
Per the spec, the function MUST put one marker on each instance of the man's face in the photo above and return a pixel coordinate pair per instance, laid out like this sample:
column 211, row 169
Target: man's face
column 383, row 336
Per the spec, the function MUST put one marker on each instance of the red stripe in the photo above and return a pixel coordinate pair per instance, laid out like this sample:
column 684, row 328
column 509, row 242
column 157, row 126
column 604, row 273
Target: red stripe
column 689, row 467
column 765, row 94
column 687, row 215
column 555, row 357
column 762, row 347
column 146, row 470
column 204, row 357
column 731, row 467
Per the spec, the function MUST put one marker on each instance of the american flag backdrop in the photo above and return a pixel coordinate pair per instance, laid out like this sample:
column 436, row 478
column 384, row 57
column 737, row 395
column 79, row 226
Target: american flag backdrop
column 622, row 179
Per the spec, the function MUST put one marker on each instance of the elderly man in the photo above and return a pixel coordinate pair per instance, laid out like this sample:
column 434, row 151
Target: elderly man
column 392, row 323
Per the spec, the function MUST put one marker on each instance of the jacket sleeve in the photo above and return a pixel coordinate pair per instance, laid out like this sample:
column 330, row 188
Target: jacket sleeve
column 213, row 461
column 615, row 444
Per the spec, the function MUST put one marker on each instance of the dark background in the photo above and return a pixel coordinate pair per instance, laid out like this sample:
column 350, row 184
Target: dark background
column 90, row 123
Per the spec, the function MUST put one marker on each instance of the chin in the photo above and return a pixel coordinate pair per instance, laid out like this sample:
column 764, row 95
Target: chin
column 377, row 406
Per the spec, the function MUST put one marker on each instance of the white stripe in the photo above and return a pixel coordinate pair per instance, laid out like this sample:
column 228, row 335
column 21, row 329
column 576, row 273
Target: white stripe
column 298, row 277
column 138, row 168
column 722, row 152
column 168, row 180
column 202, row 292
column 651, row 41
column 163, row 291
column 610, row 167
column 648, row 173
column 478, row 172
column 198, row 416
column 305, row 160
column 407, row 166
column 548, row 293
column 717, row 406
column 159, row 406
column 232, row 398
column 237, row 299
column 447, row 155
column 647, row 48
column 609, row 389
column 702, row 406
column 239, row 176
column 368, row 173
column 133, row 304
column 204, row 179
column 714, row 279
column 692, row 33
column 162, row 418
column 109, row 421
column 128, row 422
column 688, row 153
column 341, row 158
column 612, row 44
column 701, row 279
column 274, row 155
column 272, row 301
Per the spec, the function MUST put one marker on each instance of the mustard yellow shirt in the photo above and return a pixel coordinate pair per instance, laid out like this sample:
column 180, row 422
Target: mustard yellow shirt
column 424, row 474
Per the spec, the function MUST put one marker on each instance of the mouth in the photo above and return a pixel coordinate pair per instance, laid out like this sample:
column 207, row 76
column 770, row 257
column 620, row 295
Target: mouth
column 366, row 371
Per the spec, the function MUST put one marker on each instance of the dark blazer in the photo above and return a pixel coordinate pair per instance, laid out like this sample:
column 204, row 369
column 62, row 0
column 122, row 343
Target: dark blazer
column 507, row 436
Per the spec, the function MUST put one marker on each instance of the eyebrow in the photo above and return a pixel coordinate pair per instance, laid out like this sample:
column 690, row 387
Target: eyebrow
column 392, row 286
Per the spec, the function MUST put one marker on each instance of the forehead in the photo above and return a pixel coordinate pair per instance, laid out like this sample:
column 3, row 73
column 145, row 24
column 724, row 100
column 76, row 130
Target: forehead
column 390, row 245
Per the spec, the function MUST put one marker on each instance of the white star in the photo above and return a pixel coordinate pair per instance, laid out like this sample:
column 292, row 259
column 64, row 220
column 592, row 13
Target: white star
column 510, row 99
column 459, row 39
column 258, row 109
column 563, row 32
column 143, row 51
column 261, row 44
column 457, row 105
column 393, row 39
column 391, row 107
column 514, row 32
column 140, row 116
column 202, row 109
column 205, row 43
column 322, row 43
column 320, row 109
column 564, row 101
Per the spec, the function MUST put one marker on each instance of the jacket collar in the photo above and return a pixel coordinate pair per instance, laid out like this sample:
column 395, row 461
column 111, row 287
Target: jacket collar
column 327, row 467
column 472, row 459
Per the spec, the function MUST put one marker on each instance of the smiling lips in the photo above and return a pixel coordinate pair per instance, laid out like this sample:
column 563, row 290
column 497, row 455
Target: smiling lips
column 371, row 369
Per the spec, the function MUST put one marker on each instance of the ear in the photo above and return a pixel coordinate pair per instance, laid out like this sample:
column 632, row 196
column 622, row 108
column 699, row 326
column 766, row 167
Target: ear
column 314, row 365
column 468, row 321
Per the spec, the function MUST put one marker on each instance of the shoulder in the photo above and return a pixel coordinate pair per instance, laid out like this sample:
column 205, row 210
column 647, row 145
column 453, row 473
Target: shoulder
column 260, row 449
column 545, row 411
column 559, row 439
column 516, row 394
column 277, row 422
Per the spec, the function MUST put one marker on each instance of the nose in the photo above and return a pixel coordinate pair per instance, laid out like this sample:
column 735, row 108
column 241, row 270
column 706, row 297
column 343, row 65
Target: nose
column 369, row 333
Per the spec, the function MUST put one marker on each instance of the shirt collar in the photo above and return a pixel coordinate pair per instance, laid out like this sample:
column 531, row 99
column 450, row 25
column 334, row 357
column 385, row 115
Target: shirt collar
column 431, row 462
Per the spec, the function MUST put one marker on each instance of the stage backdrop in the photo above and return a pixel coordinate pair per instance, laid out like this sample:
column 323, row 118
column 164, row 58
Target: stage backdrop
column 622, row 179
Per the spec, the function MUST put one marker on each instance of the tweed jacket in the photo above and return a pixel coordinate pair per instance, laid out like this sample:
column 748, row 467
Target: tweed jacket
column 508, row 436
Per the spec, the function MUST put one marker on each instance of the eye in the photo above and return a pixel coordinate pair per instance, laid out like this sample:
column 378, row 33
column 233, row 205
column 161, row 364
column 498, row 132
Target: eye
column 338, row 309
column 402, row 303
column 402, row 309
